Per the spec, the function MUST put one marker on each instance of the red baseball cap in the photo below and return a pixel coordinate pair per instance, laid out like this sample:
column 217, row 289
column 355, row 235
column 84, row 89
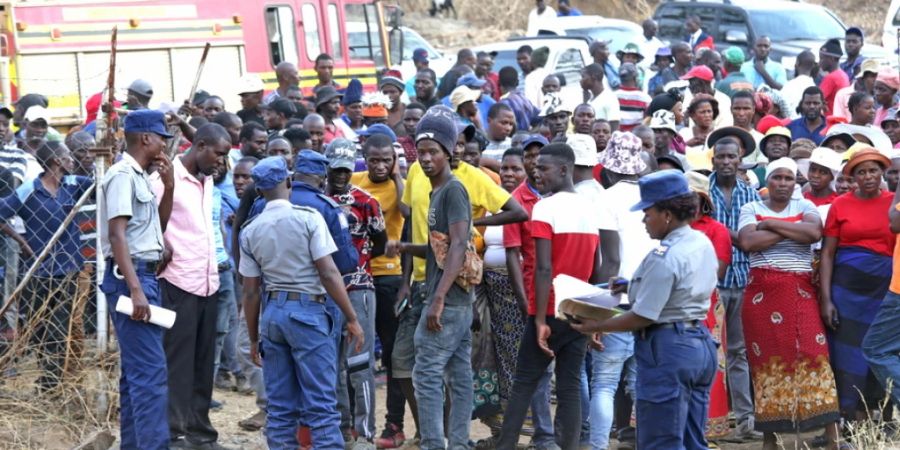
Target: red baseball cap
column 702, row 72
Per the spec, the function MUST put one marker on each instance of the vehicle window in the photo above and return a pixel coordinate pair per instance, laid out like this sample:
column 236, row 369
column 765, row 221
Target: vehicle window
column 569, row 65
column 707, row 18
column 282, row 36
column 671, row 22
column 896, row 21
column 506, row 58
column 617, row 37
column 362, row 33
column 734, row 21
column 814, row 24
column 412, row 41
column 311, row 31
column 337, row 44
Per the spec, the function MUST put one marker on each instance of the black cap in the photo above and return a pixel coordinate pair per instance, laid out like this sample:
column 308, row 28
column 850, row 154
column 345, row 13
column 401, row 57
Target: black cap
column 283, row 106
column 28, row 100
column 832, row 47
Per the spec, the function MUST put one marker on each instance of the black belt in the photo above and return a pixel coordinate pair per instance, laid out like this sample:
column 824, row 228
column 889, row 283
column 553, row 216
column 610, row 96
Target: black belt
column 687, row 324
column 139, row 264
column 223, row 266
column 296, row 296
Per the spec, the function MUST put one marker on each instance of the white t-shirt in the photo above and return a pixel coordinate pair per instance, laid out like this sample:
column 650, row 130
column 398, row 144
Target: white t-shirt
column 535, row 20
column 792, row 92
column 787, row 255
column 634, row 242
column 494, row 252
column 606, row 106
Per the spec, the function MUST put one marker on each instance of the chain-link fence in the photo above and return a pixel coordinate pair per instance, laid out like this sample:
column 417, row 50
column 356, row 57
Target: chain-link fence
column 57, row 379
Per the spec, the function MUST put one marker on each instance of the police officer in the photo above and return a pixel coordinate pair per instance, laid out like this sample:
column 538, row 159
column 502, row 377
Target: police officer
column 132, row 243
column 291, row 248
column 670, row 294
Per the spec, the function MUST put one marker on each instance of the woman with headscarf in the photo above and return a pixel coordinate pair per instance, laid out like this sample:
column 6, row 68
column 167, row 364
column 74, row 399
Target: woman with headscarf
column 855, row 272
column 717, row 419
column 793, row 383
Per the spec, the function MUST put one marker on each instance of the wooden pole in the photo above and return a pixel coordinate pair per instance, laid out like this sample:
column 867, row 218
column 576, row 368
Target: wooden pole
column 176, row 133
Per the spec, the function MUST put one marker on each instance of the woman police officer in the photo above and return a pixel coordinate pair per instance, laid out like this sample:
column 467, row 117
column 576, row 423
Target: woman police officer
column 670, row 294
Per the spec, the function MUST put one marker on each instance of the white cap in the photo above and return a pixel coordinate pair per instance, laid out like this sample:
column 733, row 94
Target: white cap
column 781, row 163
column 827, row 158
column 585, row 149
column 250, row 83
column 37, row 112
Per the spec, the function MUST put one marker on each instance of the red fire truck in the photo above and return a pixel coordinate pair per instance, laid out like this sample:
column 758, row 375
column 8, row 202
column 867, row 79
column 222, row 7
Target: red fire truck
column 60, row 48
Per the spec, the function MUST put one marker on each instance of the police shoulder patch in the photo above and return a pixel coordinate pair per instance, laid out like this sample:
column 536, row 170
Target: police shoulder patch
column 329, row 200
column 304, row 208
column 661, row 250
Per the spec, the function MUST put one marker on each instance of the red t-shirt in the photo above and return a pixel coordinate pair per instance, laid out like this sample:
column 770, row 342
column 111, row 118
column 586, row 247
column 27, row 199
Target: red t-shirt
column 718, row 234
column 862, row 223
column 519, row 235
column 572, row 226
column 365, row 219
column 831, row 84
column 820, row 201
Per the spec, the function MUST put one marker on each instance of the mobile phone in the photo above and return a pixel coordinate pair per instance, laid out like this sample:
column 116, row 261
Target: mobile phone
column 401, row 306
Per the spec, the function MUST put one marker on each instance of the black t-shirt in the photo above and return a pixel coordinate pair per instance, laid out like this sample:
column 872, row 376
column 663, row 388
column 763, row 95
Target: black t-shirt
column 449, row 204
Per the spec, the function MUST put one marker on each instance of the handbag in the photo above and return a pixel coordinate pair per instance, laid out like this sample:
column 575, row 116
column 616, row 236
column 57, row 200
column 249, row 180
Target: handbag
column 473, row 266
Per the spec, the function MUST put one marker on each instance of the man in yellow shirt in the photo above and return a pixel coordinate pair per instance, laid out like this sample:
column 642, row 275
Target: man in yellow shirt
column 383, row 182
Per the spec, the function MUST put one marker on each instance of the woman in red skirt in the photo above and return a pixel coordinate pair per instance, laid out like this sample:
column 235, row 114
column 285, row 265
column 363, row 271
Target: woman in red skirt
column 717, row 423
column 794, row 388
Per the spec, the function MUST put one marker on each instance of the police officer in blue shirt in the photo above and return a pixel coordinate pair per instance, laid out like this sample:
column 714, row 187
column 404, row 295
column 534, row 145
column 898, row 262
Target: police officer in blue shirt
column 132, row 243
column 670, row 294
column 291, row 248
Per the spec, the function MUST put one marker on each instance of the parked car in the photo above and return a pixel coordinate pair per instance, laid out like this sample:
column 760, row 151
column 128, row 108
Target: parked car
column 891, row 29
column 400, row 60
column 568, row 55
column 618, row 32
column 792, row 26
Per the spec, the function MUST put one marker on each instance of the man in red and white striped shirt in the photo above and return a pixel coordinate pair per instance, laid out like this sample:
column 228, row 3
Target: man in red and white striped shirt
column 632, row 100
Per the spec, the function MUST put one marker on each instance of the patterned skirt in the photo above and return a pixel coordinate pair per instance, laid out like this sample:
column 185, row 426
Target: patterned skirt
column 794, row 387
column 507, row 325
column 717, row 418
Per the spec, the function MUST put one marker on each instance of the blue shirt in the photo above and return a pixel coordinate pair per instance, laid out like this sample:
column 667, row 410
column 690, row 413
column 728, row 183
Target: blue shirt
column 774, row 69
column 346, row 258
column 850, row 68
column 611, row 72
column 738, row 271
column 218, row 219
column 572, row 12
column 523, row 109
column 799, row 130
column 43, row 214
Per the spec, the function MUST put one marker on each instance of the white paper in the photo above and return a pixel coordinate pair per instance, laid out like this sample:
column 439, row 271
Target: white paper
column 568, row 289
column 158, row 316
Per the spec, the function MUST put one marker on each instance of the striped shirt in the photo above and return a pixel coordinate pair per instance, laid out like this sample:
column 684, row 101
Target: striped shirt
column 737, row 272
column 632, row 104
column 13, row 159
column 787, row 255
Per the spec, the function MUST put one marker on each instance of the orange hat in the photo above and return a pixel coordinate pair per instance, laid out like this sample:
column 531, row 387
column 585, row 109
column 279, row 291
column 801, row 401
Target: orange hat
column 376, row 104
column 864, row 154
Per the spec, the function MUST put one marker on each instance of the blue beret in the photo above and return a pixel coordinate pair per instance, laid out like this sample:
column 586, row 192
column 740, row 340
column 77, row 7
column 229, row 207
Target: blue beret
column 661, row 186
column 269, row 172
column 311, row 163
column 146, row 121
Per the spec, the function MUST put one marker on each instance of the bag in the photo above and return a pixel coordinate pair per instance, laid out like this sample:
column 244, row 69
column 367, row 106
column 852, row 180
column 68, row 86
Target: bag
column 473, row 266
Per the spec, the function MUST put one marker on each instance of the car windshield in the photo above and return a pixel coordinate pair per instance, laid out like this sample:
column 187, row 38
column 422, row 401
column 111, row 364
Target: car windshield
column 506, row 58
column 617, row 37
column 813, row 24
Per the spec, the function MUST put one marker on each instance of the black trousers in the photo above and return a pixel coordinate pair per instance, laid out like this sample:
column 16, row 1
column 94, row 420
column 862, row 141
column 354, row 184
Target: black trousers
column 47, row 306
column 386, row 287
column 190, row 349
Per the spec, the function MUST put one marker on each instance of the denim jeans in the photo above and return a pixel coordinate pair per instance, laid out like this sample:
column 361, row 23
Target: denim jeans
column 737, row 367
column 226, row 317
column 358, row 370
column 606, row 367
column 569, row 347
column 444, row 356
column 540, row 413
column 882, row 345
column 299, row 354
column 676, row 368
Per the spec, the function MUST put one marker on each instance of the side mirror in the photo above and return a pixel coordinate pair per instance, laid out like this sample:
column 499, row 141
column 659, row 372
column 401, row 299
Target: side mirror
column 395, row 38
column 736, row 36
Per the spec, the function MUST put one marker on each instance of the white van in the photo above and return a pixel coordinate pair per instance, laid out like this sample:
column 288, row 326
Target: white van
column 891, row 31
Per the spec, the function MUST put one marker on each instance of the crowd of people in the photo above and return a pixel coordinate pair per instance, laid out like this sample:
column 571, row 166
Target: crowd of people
column 747, row 220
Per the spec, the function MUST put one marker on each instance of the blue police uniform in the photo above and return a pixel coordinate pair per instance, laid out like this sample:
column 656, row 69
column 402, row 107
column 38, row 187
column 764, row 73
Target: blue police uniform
column 143, row 388
column 676, row 356
column 298, row 350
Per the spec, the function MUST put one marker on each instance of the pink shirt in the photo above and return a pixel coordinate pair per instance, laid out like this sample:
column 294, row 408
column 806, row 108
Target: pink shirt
column 189, row 234
column 840, row 102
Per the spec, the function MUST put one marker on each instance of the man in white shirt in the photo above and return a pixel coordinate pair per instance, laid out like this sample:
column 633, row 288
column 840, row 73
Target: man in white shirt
column 792, row 91
column 603, row 100
column 538, row 16
column 651, row 44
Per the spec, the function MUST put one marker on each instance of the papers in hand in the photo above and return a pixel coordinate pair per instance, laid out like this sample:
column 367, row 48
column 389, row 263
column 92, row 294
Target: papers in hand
column 576, row 299
column 158, row 316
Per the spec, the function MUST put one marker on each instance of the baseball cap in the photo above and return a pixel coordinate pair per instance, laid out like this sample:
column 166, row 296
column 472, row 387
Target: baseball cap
column 585, row 149
column 141, row 87
column 832, row 47
column 663, row 119
column 269, row 172
column 535, row 139
column 341, row 154
column 310, row 163
column 439, row 125
column 378, row 128
column 250, row 83
column 733, row 55
column 146, row 121
column 37, row 112
column 855, row 30
column 553, row 104
column 702, row 72
column 470, row 80
column 283, row 106
column 420, row 55
column 28, row 100
column 661, row 186
column 463, row 94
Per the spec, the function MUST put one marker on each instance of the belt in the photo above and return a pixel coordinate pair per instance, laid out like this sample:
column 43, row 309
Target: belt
column 685, row 324
column 223, row 266
column 296, row 296
column 139, row 264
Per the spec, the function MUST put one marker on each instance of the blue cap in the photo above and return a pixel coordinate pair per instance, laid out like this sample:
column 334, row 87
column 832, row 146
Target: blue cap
column 471, row 81
column 311, row 163
column 379, row 128
column 269, row 172
column 353, row 93
column 855, row 30
column 534, row 139
column 420, row 55
column 660, row 186
column 146, row 121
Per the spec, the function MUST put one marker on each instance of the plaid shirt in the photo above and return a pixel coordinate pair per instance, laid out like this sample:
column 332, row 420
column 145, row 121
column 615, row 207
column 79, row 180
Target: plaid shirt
column 737, row 272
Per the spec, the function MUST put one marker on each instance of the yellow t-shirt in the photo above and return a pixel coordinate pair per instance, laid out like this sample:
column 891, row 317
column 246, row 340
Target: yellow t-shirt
column 386, row 194
column 484, row 195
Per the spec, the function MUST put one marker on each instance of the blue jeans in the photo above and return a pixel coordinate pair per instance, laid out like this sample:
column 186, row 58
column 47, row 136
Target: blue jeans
column 358, row 370
column 676, row 368
column 444, row 355
column 226, row 317
column 881, row 345
column 540, row 413
column 607, row 369
column 299, row 354
column 143, row 384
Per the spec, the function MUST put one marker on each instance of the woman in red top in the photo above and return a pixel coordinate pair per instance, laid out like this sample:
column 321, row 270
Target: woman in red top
column 717, row 422
column 855, row 272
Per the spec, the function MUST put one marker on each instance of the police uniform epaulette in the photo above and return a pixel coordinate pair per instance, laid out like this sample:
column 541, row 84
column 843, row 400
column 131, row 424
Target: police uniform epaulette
column 329, row 200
